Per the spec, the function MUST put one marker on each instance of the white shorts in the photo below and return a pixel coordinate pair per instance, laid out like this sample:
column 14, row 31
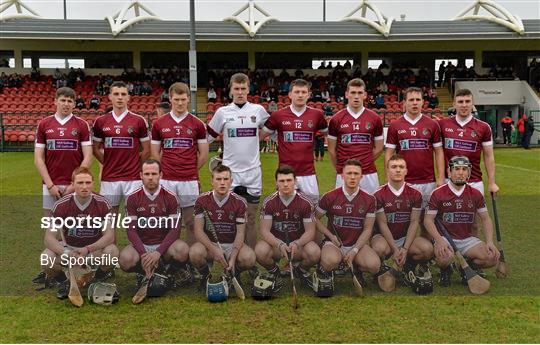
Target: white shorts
column 150, row 248
column 186, row 191
column 251, row 179
column 226, row 247
column 476, row 185
column 369, row 182
column 425, row 189
column 343, row 249
column 465, row 244
column 309, row 186
column 115, row 191
column 48, row 199
column 399, row 242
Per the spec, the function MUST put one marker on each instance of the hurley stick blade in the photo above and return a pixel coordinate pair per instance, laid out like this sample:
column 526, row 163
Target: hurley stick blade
column 357, row 286
column 140, row 295
column 387, row 281
column 477, row 285
column 238, row 289
column 74, row 294
column 501, row 271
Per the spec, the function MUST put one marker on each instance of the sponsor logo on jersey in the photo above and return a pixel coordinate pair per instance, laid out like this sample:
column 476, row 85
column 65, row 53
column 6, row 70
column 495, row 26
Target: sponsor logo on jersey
column 459, row 217
column 344, row 125
column 62, row 144
column 447, row 203
column 119, row 142
column 106, row 129
column 336, row 207
column 449, row 130
column 401, row 131
column 301, row 137
column 140, row 209
column 356, row 138
column 49, row 131
column 458, row 144
column 286, row 123
column 165, row 130
column 413, row 144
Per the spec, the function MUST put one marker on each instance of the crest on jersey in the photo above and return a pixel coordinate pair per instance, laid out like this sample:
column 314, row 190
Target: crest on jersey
column 473, row 134
column 296, row 216
column 425, row 131
column 408, row 204
column 74, row 132
column 368, row 125
column 310, row 124
column 470, row 204
column 253, row 118
column 361, row 210
column 189, row 131
column 130, row 130
column 231, row 215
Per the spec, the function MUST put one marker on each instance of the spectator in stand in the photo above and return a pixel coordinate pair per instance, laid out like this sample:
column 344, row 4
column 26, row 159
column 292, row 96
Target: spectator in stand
column 507, row 125
column 35, row 75
column 299, row 73
column 383, row 65
column 329, row 65
column 347, row 65
column 284, row 75
column 319, row 146
column 212, row 95
column 79, row 103
column 95, row 102
column 325, row 95
column 316, row 95
column 440, row 73
column 379, row 101
column 265, row 96
column 529, row 130
column 383, row 87
column 321, row 66
column 165, row 96
column 146, row 89
column 272, row 106
column 449, row 72
column 130, row 87
column 520, row 141
column 285, row 88
column 433, row 99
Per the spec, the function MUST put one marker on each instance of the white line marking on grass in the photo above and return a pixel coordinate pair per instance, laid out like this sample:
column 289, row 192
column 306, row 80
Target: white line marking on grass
column 518, row 168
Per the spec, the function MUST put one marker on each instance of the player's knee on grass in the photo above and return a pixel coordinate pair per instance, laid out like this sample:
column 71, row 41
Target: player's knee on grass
column 380, row 246
column 246, row 258
column 368, row 260
column 110, row 251
column 479, row 254
column 187, row 219
column 179, row 251
column 311, row 254
column 50, row 256
column 198, row 254
column 330, row 258
column 421, row 249
column 264, row 254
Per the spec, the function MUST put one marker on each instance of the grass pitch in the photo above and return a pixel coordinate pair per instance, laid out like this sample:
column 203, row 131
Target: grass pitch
column 509, row 312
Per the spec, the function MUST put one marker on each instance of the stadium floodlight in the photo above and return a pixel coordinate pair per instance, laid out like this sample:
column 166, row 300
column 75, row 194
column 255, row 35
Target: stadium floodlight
column 250, row 26
column 119, row 23
column 19, row 6
column 383, row 23
column 500, row 15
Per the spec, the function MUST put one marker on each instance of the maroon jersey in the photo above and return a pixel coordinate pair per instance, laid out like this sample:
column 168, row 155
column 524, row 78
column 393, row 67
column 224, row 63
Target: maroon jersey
column 296, row 135
column 456, row 210
column 347, row 213
column 287, row 216
column 90, row 230
column 355, row 137
column 179, row 137
column 397, row 206
column 62, row 141
column 224, row 215
column 121, row 137
column 466, row 139
column 415, row 141
column 148, row 213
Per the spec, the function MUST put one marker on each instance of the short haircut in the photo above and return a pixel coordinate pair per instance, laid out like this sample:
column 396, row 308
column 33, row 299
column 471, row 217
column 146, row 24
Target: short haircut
column 179, row 89
column 66, row 92
column 412, row 89
column 356, row 82
column 81, row 171
column 352, row 162
column 221, row 168
column 151, row 161
column 164, row 105
column 396, row 157
column 117, row 83
column 299, row 83
column 239, row 78
column 463, row 92
column 285, row 170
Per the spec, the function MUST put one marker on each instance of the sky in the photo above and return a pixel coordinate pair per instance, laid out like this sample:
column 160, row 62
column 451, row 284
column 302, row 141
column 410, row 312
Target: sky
column 285, row 10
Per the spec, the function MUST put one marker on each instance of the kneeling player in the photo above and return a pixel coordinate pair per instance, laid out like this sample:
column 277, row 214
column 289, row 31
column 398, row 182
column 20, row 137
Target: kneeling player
column 456, row 204
column 398, row 215
column 220, row 216
column 287, row 229
column 154, row 229
column 85, row 240
column 351, row 215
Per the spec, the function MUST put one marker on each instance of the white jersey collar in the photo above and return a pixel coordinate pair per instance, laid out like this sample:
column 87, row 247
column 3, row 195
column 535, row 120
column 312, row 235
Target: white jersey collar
column 462, row 123
column 350, row 197
column 80, row 206
column 355, row 115
column 64, row 120
column 152, row 196
column 454, row 190
column 298, row 113
column 120, row 117
column 222, row 202
column 287, row 202
column 410, row 120
column 397, row 192
column 176, row 118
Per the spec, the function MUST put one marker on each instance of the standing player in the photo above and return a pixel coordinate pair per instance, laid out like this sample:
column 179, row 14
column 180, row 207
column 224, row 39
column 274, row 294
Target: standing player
column 398, row 216
column 296, row 126
column 179, row 138
column 456, row 204
column 153, row 232
column 227, row 212
column 465, row 135
column 118, row 138
column 415, row 137
column 62, row 144
column 351, row 215
column 240, row 122
column 356, row 133
column 287, row 229
column 85, row 240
